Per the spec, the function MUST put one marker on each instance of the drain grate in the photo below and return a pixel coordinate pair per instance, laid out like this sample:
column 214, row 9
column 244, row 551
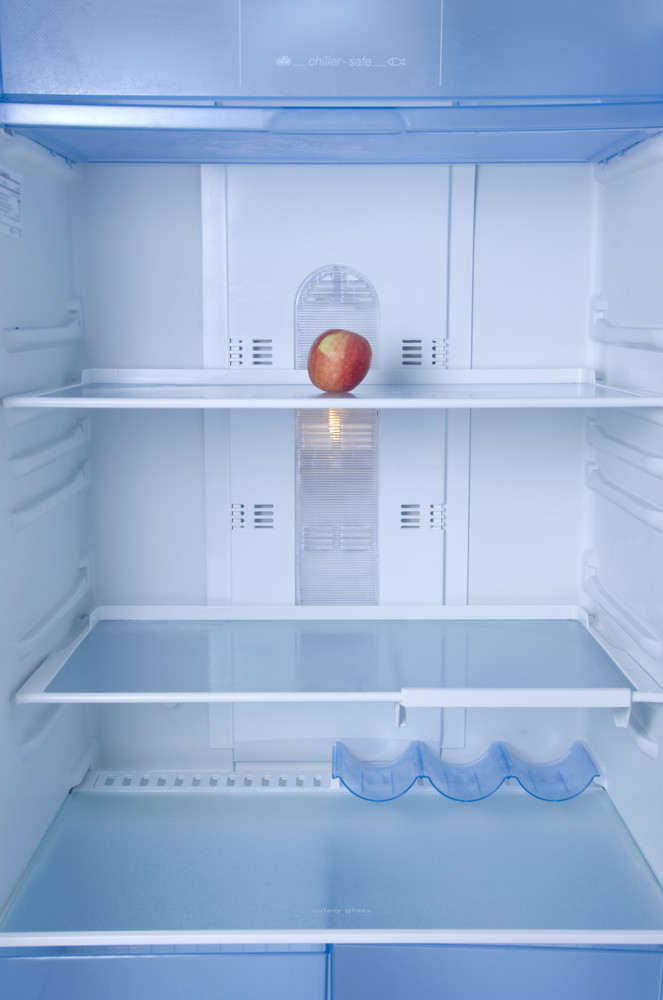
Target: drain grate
column 206, row 780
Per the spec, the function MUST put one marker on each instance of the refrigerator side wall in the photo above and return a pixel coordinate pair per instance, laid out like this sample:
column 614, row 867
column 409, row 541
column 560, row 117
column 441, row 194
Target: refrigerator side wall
column 45, row 474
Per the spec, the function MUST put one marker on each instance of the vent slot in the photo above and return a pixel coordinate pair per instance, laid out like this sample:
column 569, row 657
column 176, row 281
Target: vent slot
column 411, row 352
column 335, row 297
column 433, row 516
column 262, row 351
column 254, row 352
column 410, row 515
column 337, row 510
column 257, row 515
column 433, row 354
column 263, row 515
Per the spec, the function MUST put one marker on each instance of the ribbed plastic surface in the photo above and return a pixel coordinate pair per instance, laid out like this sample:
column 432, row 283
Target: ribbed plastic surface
column 555, row 781
column 337, row 506
column 335, row 297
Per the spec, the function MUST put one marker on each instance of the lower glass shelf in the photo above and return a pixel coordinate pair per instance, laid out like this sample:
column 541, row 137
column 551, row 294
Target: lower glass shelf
column 320, row 865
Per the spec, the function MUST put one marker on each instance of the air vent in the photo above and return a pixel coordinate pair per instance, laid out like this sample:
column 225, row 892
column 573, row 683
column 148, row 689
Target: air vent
column 414, row 515
column 416, row 352
column 253, row 352
column 410, row 515
column 334, row 297
column 412, row 352
column 257, row 515
column 263, row 515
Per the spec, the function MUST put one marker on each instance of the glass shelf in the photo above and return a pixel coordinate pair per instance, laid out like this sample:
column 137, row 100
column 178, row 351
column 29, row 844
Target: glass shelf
column 251, row 389
column 321, row 865
column 433, row 662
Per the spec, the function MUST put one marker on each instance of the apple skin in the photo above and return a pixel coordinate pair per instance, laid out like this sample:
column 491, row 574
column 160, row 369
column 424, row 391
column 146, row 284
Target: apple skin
column 338, row 360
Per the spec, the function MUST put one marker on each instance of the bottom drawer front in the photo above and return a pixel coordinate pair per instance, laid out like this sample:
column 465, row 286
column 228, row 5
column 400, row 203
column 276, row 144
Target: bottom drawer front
column 445, row 972
column 247, row 976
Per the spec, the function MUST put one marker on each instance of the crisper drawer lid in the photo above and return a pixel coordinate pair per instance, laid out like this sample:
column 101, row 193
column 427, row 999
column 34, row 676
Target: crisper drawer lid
column 317, row 49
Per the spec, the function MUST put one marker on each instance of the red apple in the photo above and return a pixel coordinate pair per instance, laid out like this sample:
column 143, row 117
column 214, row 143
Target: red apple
column 338, row 360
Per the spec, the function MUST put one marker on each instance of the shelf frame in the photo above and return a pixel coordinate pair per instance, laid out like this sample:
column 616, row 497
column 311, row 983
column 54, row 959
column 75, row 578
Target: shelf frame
column 575, row 388
column 637, row 687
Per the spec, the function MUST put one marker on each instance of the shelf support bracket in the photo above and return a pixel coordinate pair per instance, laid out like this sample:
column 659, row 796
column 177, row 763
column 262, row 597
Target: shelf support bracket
column 622, row 716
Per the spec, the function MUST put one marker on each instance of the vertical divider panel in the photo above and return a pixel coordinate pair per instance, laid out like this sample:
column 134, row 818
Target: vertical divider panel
column 462, row 203
column 214, row 266
column 412, row 506
column 217, row 506
column 262, row 501
column 215, row 355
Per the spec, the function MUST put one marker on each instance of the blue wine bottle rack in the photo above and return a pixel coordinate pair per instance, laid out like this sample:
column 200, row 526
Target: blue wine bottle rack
column 554, row 781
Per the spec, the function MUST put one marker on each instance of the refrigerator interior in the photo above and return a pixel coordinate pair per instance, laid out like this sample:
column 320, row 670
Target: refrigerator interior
column 215, row 574
column 130, row 512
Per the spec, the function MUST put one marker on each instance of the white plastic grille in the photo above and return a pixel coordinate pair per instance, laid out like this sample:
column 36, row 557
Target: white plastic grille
column 337, row 509
column 255, row 351
column 410, row 515
column 430, row 353
column 416, row 515
column 257, row 515
column 335, row 297
column 277, row 778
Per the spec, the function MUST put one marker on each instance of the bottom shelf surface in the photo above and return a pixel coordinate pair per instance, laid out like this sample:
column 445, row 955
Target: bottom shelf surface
column 323, row 865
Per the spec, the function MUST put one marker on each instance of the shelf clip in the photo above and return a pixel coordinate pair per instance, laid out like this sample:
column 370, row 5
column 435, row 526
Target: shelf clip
column 622, row 716
column 400, row 715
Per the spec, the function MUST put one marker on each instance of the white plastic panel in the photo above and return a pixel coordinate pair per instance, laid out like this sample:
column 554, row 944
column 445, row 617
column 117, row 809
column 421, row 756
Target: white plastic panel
column 413, row 510
column 528, row 515
column 532, row 265
column 633, row 246
column 149, row 508
column 308, row 732
column 142, row 265
column 261, row 516
column 284, row 222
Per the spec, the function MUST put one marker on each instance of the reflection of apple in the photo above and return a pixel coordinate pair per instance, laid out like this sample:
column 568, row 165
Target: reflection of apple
column 338, row 360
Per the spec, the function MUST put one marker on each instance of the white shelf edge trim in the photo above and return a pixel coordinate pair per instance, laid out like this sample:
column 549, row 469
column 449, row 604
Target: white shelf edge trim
column 288, row 389
column 297, row 376
column 454, row 936
column 616, row 698
column 338, row 612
